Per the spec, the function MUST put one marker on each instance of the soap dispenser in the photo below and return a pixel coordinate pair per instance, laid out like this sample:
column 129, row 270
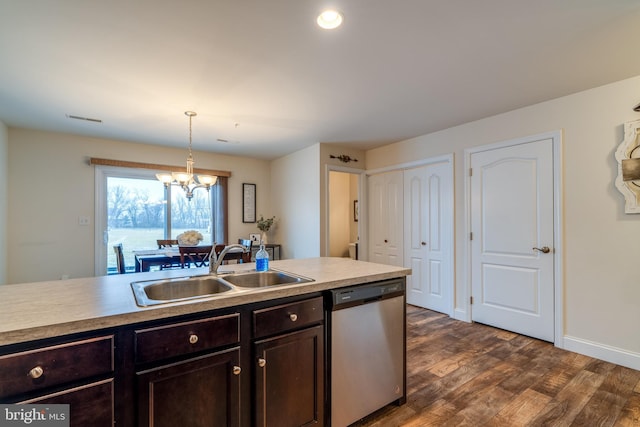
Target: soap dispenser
column 262, row 259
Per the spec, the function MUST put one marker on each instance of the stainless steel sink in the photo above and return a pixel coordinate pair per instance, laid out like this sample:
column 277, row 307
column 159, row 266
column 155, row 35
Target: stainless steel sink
column 260, row 279
column 152, row 292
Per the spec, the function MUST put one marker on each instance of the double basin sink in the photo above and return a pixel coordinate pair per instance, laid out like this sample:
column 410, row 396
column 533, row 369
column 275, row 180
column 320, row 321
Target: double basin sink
column 152, row 292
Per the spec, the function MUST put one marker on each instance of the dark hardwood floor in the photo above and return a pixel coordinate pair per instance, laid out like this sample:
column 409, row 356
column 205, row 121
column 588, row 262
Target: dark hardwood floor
column 462, row 374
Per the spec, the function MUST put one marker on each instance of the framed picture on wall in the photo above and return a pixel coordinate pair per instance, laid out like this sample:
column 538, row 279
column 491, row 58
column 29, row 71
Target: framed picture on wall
column 248, row 202
column 355, row 210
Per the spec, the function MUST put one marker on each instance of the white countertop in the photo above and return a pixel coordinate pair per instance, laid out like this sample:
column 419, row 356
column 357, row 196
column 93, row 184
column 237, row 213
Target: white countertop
column 30, row 311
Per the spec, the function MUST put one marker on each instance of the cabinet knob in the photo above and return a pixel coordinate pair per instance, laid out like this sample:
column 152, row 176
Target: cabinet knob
column 193, row 338
column 386, row 241
column 262, row 362
column 293, row 317
column 36, row 372
column 237, row 370
column 423, row 243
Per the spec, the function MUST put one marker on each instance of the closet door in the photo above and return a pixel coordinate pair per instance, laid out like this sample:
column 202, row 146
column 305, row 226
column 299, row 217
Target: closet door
column 385, row 218
column 428, row 238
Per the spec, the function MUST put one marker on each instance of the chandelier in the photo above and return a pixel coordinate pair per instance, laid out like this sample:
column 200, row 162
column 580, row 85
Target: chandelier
column 186, row 180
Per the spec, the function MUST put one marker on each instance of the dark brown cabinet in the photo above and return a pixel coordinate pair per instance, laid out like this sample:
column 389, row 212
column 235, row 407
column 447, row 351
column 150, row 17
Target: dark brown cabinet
column 202, row 391
column 289, row 364
column 89, row 405
column 186, row 375
column 78, row 373
column 289, row 379
column 260, row 364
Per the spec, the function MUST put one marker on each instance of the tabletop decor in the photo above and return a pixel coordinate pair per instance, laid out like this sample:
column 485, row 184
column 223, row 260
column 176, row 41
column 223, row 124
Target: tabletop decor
column 190, row 238
column 265, row 225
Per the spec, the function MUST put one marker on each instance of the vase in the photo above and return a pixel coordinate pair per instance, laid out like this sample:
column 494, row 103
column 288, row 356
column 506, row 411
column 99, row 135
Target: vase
column 263, row 238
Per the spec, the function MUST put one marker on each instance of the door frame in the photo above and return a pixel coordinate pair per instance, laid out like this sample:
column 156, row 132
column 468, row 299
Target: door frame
column 362, row 219
column 556, row 140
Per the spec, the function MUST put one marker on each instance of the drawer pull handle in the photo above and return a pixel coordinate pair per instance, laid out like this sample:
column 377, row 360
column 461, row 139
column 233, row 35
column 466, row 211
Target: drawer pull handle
column 193, row 338
column 293, row 317
column 262, row 362
column 36, row 372
column 237, row 370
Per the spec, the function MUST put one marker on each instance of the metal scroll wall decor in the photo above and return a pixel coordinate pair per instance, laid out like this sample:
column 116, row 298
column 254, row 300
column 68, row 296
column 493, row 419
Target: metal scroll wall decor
column 343, row 158
column 628, row 157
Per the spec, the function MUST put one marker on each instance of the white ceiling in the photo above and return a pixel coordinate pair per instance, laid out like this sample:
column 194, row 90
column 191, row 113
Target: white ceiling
column 262, row 75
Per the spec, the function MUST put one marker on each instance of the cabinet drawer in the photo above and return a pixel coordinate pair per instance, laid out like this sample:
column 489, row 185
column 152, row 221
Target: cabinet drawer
column 184, row 338
column 285, row 317
column 50, row 366
column 90, row 405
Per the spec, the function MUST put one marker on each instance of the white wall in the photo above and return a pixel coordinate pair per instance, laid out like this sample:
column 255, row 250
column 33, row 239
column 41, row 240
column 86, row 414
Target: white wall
column 295, row 183
column 4, row 200
column 51, row 184
column 601, row 243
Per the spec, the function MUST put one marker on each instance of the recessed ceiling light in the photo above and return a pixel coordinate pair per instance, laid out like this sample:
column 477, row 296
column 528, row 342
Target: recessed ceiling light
column 329, row 19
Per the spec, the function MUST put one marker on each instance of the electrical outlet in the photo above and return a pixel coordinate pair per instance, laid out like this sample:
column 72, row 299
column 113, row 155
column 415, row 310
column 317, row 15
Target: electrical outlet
column 83, row 220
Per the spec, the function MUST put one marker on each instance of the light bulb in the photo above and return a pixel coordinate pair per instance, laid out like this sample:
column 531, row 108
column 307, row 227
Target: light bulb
column 329, row 19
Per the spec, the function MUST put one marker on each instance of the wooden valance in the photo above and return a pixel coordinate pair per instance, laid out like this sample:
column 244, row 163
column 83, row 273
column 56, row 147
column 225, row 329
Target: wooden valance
column 168, row 168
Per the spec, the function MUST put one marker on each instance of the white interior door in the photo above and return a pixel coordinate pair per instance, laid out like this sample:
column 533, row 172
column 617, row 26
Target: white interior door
column 385, row 218
column 511, row 215
column 428, row 235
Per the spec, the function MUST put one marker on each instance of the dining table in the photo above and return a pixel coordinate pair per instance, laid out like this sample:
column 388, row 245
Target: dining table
column 147, row 258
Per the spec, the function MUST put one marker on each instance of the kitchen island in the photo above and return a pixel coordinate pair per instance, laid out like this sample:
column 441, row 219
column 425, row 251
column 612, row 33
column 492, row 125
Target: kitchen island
column 136, row 365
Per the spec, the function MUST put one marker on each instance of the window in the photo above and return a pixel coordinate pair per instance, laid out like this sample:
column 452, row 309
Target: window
column 135, row 209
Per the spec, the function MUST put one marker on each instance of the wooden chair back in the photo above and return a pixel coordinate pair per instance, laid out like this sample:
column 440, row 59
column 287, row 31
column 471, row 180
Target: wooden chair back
column 246, row 257
column 166, row 243
column 119, row 258
column 198, row 255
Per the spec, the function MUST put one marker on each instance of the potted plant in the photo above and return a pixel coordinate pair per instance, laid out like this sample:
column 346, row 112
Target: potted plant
column 265, row 225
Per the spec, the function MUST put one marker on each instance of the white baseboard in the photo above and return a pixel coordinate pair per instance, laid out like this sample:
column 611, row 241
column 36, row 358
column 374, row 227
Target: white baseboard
column 603, row 352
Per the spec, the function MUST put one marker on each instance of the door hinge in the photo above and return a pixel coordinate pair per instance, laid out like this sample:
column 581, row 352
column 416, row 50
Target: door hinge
column 471, row 300
column 471, row 236
column 470, row 171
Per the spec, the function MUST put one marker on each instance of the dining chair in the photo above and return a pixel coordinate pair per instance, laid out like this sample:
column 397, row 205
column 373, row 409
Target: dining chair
column 168, row 243
column 246, row 257
column 219, row 248
column 119, row 258
column 198, row 255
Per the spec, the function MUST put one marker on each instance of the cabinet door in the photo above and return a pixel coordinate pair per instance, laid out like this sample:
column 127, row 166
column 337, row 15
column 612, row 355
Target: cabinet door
column 289, row 379
column 89, row 405
column 198, row 392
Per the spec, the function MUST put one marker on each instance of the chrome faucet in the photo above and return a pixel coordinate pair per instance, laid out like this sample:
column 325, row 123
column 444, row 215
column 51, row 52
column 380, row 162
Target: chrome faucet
column 216, row 260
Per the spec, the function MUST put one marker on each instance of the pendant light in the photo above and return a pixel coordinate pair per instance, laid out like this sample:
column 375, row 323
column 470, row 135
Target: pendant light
column 185, row 180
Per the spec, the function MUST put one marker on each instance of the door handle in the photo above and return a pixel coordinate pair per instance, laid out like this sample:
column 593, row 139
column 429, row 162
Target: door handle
column 544, row 249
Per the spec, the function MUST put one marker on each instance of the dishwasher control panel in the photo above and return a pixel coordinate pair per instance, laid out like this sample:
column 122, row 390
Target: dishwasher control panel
column 366, row 293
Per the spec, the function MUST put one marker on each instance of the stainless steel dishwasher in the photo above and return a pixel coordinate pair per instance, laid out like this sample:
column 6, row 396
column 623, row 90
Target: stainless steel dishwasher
column 368, row 350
